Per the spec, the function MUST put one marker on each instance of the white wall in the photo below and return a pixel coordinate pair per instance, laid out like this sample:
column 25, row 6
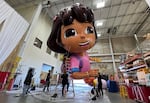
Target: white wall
column 32, row 56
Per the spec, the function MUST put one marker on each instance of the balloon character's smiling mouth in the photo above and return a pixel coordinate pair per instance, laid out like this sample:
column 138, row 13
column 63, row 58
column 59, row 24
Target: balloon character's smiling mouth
column 84, row 43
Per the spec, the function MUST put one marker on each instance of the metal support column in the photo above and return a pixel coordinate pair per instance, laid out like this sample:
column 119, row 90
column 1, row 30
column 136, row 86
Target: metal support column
column 29, row 31
column 112, row 54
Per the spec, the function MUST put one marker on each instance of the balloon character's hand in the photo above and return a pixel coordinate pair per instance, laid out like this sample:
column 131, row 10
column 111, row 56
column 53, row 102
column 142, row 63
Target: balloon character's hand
column 82, row 75
column 79, row 75
column 89, row 81
column 93, row 72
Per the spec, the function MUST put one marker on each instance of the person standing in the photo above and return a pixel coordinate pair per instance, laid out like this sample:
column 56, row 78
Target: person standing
column 27, row 81
column 100, row 89
column 65, row 81
column 47, row 81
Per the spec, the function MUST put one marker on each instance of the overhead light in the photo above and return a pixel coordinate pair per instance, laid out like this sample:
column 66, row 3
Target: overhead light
column 99, row 24
column 98, row 34
column 100, row 5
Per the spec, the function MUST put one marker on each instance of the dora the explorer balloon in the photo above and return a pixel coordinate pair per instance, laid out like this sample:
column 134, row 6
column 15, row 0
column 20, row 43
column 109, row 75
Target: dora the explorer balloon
column 73, row 32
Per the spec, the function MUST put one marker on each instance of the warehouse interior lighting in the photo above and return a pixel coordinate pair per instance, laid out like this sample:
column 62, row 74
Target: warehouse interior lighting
column 100, row 4
column 99, row 24
column 98, row 34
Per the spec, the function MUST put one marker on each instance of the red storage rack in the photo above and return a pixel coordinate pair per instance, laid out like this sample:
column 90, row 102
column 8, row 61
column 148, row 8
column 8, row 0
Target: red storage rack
column 146, row 92
column 3, row 78
column 139, row 93
column 130, row 92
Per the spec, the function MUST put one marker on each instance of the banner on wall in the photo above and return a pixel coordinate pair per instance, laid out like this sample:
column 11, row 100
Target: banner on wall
column 12, row 28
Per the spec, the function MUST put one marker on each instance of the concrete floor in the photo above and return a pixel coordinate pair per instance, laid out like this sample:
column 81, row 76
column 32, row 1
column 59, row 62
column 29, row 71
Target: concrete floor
column 82, row 95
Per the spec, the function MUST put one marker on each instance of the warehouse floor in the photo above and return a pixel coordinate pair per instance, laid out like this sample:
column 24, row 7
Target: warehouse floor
column 82, row 95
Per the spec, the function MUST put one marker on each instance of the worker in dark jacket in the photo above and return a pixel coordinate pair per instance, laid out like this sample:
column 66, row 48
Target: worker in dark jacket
column 27, row 81
column 65, row 81
column 100, row 89
column 47, row 81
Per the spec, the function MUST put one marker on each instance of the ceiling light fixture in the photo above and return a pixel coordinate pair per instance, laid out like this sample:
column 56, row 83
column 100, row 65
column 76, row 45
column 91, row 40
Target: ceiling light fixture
column 99, row 24
column 100, row 5
column 98, row 34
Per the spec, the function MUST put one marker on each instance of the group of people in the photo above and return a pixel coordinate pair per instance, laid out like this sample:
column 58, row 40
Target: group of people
column 29, row 76
column 97, row 90
column 64, row 81
column 28, row 80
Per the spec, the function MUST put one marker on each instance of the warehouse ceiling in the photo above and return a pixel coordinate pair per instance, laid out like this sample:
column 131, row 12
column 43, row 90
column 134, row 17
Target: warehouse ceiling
column 117, row 18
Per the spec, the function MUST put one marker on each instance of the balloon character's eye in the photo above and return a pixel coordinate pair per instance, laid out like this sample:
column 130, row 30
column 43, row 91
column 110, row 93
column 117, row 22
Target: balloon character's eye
column 89, row 30
column 70, row 32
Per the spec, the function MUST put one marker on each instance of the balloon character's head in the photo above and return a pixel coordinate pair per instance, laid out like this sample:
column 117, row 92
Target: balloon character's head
column 73, row 30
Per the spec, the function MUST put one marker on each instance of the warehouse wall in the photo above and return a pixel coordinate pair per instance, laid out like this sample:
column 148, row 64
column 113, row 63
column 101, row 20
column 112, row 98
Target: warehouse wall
column 119, row 45
column 31, row 56
column 123, row 45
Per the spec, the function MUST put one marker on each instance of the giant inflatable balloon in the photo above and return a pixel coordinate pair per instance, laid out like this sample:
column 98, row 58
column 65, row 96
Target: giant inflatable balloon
column 73, row 33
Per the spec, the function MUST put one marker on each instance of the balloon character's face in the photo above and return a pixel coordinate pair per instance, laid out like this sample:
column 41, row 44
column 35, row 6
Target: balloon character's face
column 73, row 30
column 78, row 37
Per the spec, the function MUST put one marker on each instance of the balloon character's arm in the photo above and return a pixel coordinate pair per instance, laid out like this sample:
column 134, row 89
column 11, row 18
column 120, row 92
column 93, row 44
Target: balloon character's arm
column 95, row 59
column 82, row 75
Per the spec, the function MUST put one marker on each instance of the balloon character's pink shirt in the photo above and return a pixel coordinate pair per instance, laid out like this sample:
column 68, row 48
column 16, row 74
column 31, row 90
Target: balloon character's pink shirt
column 76, row 61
